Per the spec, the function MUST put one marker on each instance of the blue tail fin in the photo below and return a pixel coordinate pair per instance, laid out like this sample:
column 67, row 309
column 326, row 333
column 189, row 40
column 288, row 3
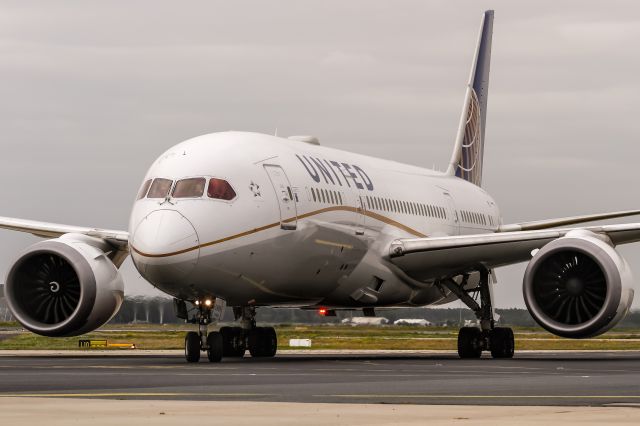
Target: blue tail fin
column 466, row 160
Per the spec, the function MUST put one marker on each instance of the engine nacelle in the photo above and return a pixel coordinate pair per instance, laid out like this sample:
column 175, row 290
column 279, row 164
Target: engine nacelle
column 578, row 286
column 64, row 287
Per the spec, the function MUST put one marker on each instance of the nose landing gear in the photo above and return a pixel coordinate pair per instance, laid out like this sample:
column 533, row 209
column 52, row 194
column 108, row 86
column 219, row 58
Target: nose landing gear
column 473, row 340
column 202, row 340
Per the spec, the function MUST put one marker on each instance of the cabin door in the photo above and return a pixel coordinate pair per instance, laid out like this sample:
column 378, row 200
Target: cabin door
column 284, row 195
column 452, row 213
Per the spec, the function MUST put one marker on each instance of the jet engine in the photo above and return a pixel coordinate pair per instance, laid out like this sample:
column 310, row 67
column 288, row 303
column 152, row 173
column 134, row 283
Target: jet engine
column 578, row 286
column 65, row 286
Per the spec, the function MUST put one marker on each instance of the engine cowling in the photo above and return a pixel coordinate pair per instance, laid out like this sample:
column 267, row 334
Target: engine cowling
column 578, row 286
column 64, row 287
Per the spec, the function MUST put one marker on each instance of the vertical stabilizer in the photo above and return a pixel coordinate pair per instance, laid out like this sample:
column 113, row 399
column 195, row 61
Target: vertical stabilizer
column 466, row 160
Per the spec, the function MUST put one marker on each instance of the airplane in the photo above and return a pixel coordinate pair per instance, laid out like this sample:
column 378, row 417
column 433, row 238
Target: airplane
column 248, row 220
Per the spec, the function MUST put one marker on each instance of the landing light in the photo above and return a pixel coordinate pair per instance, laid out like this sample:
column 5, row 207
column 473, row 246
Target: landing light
column 197, row 302
column 207, row 302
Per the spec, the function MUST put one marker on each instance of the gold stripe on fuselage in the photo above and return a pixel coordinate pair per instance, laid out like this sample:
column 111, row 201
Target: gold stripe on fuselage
column 372, row 215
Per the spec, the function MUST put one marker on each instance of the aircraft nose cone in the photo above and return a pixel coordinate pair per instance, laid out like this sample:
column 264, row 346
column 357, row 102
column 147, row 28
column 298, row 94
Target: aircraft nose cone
column 164, row 247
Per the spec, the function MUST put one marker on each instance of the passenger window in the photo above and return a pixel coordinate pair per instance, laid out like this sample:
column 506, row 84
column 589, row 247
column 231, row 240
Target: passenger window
column 143, row 189
column 159, row 188
column 189, row 188
column 220, row 189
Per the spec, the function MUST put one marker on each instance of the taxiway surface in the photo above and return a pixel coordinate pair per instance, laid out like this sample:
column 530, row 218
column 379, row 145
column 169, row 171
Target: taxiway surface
column 532, row 378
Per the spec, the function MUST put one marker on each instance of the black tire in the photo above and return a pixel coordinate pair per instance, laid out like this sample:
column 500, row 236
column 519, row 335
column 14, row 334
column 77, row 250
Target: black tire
column 227, row 340
column 269, row 342
column 255, row 342
column 233, row 342
column 469, row 342
column 502, row 342
column 263, row 342
column 192, row 347
column 239, row 345
column 215, row 346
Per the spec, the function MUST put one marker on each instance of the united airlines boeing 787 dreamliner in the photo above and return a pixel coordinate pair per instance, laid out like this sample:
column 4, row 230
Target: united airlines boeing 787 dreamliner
column 248, row 220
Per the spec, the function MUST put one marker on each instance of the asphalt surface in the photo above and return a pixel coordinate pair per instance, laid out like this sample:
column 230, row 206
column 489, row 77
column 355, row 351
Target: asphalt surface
column 545, row 378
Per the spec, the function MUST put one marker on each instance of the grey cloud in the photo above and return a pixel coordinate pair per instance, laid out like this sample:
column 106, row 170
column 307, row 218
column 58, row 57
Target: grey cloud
column 93, row 91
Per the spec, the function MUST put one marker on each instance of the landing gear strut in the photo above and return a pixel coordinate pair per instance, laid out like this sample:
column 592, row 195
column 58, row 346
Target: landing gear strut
column 473, row 340
column 202, row 340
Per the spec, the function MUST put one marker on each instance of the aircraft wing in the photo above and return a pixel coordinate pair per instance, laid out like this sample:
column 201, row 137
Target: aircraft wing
column 425, row 258
column 564, row 221
column 53, row 230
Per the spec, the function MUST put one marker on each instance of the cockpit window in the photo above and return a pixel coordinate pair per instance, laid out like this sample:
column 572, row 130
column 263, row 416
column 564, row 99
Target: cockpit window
column 159, row 188
column 143, row 189
column 189, row 188
column 220, row 189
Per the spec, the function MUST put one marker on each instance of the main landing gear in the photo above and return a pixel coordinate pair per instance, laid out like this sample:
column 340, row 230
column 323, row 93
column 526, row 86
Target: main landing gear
column 473, row 340
column 231, row 342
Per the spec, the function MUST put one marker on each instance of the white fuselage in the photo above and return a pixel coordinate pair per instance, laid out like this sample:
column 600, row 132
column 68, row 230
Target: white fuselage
column 308, row 224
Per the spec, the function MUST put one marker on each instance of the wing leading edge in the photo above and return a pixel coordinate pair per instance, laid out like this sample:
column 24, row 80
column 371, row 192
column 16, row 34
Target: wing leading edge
column 54, row 230
column 564, row 221
column 426, row 258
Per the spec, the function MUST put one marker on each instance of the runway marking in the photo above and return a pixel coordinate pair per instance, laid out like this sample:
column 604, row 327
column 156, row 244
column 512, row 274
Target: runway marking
column 121, row 394
column 480, row 396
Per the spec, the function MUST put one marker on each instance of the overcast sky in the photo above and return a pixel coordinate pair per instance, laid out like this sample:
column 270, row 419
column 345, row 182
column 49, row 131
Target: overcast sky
column 91, row 92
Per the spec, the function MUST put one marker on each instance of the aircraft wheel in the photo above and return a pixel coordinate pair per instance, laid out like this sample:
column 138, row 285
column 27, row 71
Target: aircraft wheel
column 255, row 342
column 215, row 346
column 192, row 346
column 263, row 342
column 269, row 342
column 233, row 342
column 470, row 342
column 502, row 342
column 239, row 346
column 227, row 340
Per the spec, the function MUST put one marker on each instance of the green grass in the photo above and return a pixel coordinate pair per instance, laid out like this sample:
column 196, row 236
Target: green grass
column 325, row 337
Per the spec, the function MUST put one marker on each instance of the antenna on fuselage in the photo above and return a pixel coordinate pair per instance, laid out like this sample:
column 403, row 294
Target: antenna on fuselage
column 276, row 132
